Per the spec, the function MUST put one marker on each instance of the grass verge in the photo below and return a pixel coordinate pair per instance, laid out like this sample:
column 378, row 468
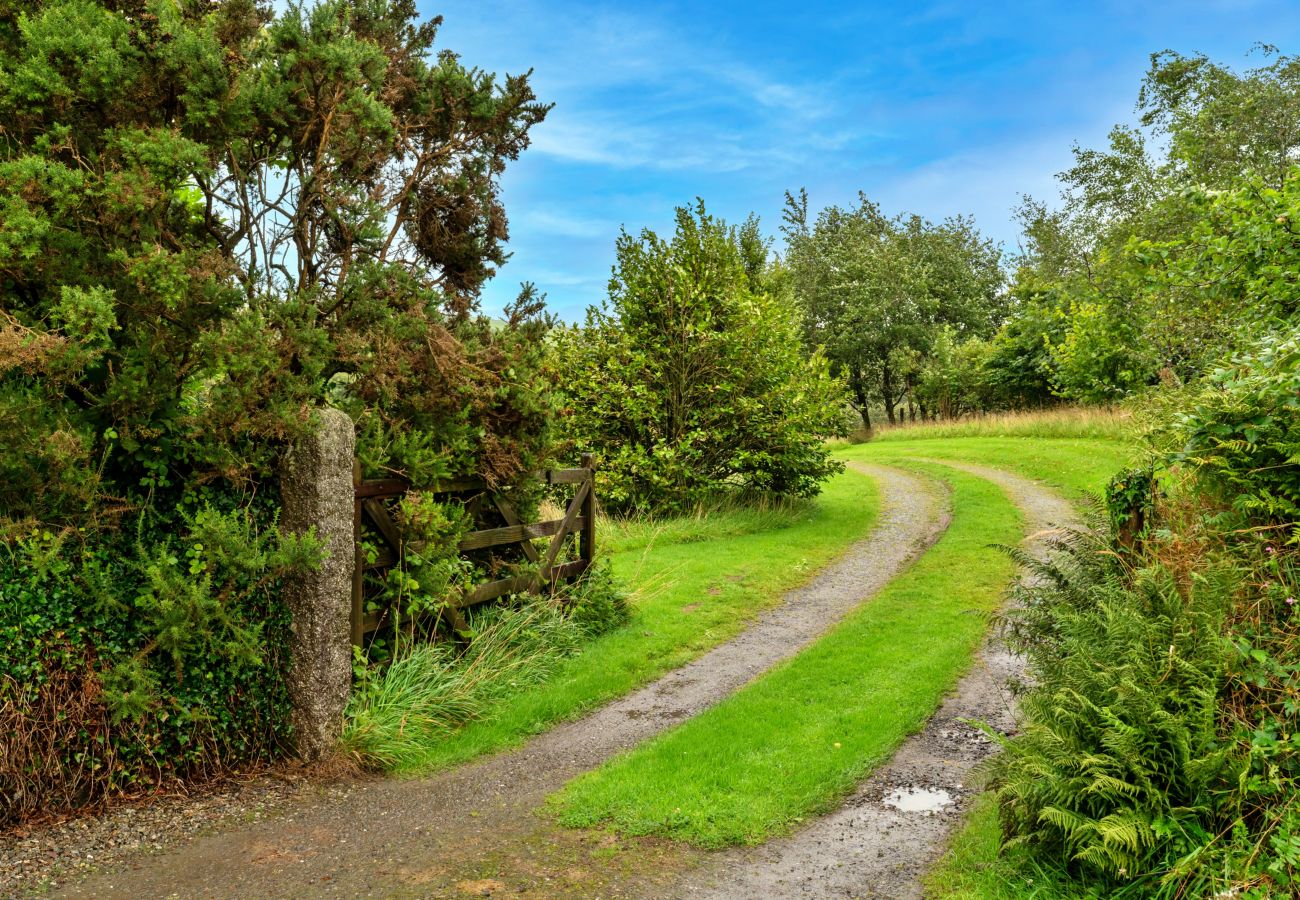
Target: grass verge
column 799, row 738
column 696, row 581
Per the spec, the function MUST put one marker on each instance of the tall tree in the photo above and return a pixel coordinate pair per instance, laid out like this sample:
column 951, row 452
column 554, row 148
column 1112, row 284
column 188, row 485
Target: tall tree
column 875, row 290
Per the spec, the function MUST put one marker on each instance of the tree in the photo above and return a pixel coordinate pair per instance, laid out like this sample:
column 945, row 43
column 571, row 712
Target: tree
column 214, row 218
column 875, row 291
column 689, row 382
column 1112, row 254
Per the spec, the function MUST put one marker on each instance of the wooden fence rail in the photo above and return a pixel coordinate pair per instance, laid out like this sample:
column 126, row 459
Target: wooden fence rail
column 371, row 516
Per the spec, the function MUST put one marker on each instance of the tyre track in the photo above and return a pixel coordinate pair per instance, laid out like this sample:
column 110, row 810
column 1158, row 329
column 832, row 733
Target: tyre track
column 417, row 837
column 870, row 848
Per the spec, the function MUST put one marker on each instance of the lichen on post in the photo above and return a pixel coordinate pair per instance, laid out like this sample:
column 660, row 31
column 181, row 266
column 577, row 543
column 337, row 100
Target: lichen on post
column 317, row 495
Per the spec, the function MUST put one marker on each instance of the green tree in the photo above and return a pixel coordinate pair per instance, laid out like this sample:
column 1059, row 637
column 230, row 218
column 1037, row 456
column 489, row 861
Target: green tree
column 875, row 291
column 688, row 382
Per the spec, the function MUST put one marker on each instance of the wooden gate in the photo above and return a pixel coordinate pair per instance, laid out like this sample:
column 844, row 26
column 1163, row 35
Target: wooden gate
column 371, row 516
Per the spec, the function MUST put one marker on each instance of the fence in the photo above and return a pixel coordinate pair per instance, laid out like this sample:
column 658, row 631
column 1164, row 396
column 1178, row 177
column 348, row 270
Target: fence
column 371, row 518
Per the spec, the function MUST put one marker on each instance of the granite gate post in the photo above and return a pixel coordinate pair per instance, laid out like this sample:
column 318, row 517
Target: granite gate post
column 316, row 492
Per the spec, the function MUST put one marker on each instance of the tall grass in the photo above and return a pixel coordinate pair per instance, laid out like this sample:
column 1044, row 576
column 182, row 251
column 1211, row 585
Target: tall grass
column 430, row 689
column 1098, row 422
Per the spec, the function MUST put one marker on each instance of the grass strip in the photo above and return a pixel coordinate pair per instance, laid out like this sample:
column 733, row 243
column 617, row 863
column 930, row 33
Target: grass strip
column 799, row 738
column 697, row 581
column 1074, row 466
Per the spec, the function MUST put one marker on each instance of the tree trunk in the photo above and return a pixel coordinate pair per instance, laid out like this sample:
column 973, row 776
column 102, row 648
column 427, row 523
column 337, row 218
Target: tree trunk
column 858, row 385
column 887, row 385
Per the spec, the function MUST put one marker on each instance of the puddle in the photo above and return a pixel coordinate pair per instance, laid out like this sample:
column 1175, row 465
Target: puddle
column 918, row 799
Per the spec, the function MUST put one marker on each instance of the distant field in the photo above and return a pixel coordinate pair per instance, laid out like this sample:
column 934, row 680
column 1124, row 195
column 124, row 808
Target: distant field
column 1094, row 422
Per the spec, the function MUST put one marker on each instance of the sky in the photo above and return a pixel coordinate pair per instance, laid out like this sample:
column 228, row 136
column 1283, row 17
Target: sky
column 935, row 108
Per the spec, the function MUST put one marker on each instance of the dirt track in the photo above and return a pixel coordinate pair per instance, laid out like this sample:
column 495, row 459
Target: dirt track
column 472, row 830
column 870, row 847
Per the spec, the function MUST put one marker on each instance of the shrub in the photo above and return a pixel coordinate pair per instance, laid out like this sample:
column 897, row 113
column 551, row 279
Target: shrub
column 691, row 381
column 1242, row 433
column 213, row 218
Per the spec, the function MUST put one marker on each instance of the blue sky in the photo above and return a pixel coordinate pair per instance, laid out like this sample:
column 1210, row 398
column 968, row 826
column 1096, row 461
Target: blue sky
column 937, row 108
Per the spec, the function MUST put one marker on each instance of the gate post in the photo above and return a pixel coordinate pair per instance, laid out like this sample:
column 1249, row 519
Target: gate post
column 317, row 493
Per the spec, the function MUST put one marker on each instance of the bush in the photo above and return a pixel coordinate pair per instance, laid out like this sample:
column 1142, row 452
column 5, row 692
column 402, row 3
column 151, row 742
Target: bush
column 691, row 381
column 213, row 219
column 141, row 655
column 1242, row 433
column 1159, row 756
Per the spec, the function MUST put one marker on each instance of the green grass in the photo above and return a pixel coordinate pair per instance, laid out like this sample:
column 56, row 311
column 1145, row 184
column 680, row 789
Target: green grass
column 1073, row 466
column 800, row 737
column 973, row 868
column 698, row 581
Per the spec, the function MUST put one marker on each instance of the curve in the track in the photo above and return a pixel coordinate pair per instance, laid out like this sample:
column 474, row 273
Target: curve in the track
column 400, row 838
column 871, row 847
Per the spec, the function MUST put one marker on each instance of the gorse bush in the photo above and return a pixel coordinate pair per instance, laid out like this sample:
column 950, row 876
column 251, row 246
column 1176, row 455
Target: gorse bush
column 691, row 381
column 214, row 218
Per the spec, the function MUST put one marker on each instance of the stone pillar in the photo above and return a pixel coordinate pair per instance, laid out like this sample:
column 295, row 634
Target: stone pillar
column 316, row 492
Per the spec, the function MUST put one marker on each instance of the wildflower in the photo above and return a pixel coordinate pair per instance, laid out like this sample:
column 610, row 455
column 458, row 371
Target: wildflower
column 1290, row 601
column 1270, row 549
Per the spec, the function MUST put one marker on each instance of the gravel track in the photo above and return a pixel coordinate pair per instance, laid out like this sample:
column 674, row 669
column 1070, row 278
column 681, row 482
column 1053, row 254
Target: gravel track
column 472, row 830
column 871, row 847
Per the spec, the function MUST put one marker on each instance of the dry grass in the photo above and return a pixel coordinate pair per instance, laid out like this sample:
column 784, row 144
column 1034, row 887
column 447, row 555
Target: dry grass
column 1096, row 422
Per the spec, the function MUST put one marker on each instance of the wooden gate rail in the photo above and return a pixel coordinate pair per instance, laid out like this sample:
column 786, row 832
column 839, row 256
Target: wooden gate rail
column 579, row 519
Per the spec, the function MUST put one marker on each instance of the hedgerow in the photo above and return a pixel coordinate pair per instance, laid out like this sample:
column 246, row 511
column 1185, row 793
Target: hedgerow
column 213, row 219
column 1160, row 753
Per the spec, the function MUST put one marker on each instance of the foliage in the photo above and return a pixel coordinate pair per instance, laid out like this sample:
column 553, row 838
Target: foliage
column 1162, row 260
column 950, row 381
column 429, row 689
column 1242, row 433
column 876, row 291
column 688, row 382
column 141, row 655
column 214, row 217
column 1118, row 767
column 1158, row 758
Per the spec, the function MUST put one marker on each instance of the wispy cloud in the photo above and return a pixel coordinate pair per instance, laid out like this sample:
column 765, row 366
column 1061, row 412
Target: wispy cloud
column 933, row 106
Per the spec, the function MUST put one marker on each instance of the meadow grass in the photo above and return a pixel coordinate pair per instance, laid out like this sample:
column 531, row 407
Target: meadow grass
column 696, row 581
column 1097, row 422
column 796, row 740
